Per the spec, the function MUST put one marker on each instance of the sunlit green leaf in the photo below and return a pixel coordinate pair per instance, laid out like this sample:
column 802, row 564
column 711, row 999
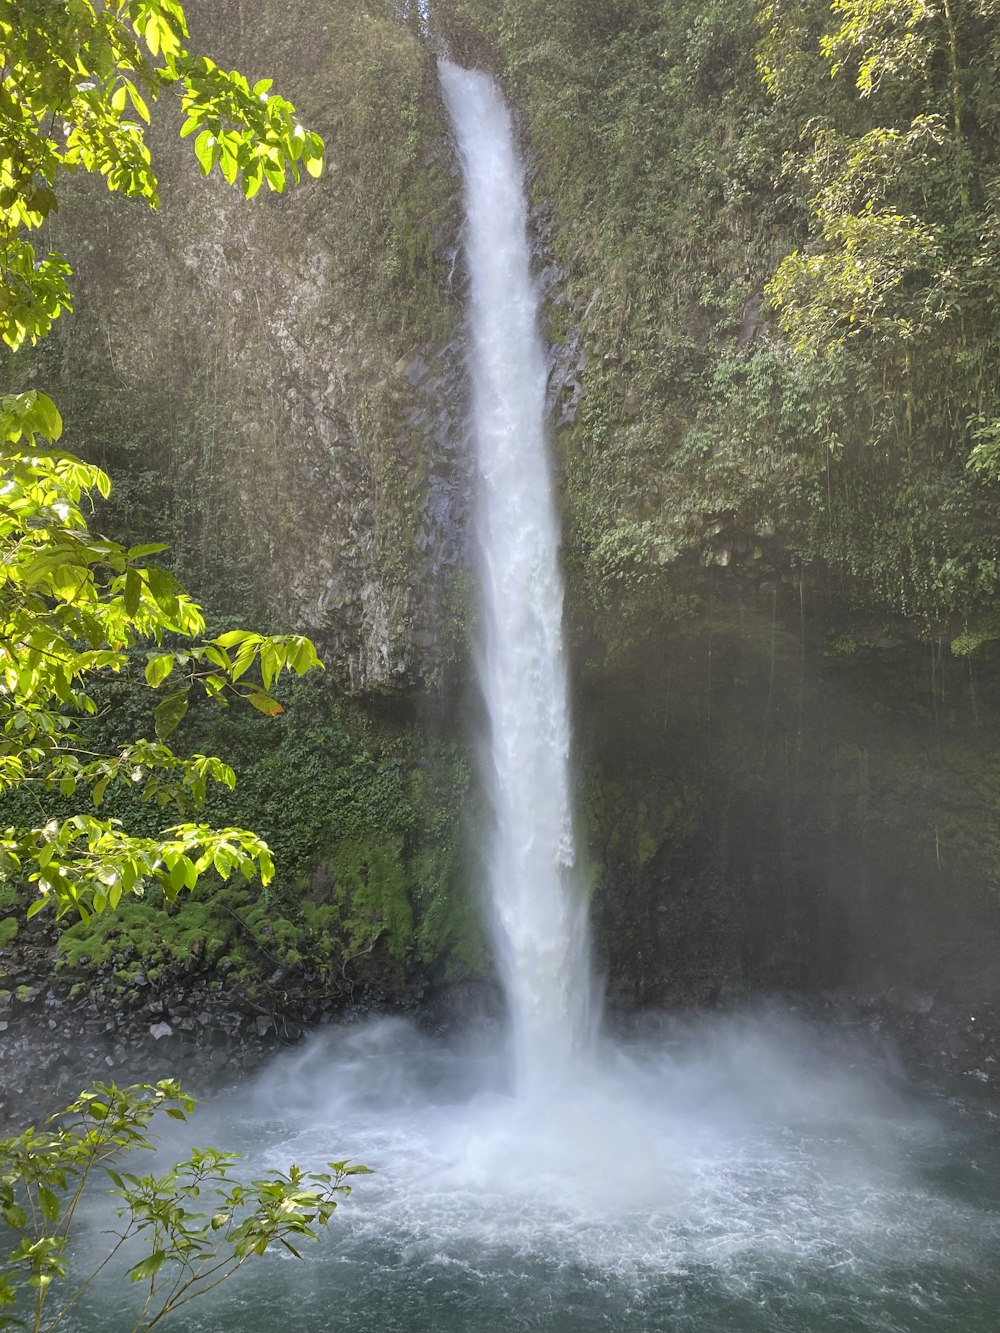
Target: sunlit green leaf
column 158, row 669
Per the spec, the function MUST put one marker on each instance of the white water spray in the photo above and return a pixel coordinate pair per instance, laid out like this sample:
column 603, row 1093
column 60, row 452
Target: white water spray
column 540, row 920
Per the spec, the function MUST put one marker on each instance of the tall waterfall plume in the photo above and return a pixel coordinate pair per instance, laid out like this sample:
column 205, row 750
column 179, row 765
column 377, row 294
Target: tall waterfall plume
column 538, row 908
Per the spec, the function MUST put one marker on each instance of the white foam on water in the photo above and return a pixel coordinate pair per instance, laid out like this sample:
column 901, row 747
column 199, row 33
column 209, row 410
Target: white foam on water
column 759, row 1139
column 751, row 1172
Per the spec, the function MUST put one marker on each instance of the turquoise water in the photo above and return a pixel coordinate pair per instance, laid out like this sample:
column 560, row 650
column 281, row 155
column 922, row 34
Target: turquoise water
column 749, row 1173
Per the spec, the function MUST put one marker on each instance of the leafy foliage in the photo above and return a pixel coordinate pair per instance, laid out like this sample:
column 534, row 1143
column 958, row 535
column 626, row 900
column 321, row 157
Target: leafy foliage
column 78, row 610
column 366, row 820
column 892, row 283
column 75, row 608
column 74, row 95
column 193, row 1226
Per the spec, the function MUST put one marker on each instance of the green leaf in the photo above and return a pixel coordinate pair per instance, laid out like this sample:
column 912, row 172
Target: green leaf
column 68, row 581
column 229, row 166
column 271, row 661
column 133, row 591
column 169, row 712
column 164, row 589
column 204, row 147
column 253, row 178
column 137, row 100
column 49, row 421
column 49, row 1204
column 222, row 862
column 148, row 1267
column 244, row 657
column 158, row 669
column 274, row 173
column 44, row 201
column 303, row 657
column 179, row 874
column 218, row 657
column 234, row 637
column 265, row 704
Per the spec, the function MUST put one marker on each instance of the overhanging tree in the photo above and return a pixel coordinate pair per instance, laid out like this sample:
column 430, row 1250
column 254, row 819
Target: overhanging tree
column 77, row 80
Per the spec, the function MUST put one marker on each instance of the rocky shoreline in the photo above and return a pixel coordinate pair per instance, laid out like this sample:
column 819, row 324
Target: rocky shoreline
column 60, row 1031
column 54, row 1042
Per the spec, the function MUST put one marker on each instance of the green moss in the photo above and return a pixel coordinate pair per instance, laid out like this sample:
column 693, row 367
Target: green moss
column 144, row 935
column 370, row 884
column 633, row 812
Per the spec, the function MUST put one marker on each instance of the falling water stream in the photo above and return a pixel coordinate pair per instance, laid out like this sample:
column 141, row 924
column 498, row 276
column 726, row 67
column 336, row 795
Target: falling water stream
column 755, row 1173
column 538, row 910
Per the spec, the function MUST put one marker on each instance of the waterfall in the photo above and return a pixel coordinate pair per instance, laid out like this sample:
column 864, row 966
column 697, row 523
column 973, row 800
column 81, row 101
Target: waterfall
column 538, row 907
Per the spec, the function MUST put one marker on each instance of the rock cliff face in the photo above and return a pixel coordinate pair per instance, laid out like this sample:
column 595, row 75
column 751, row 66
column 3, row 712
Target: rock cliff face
column 772, row 815
column 788, row 780
column 290, row 366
